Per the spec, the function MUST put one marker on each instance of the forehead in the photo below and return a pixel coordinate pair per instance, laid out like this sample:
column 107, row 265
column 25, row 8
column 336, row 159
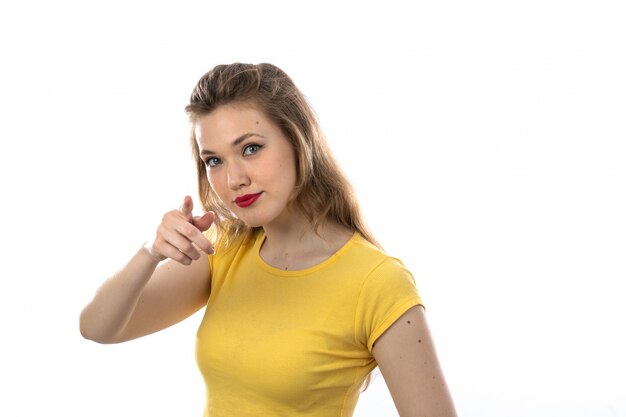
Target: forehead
column 229, row 121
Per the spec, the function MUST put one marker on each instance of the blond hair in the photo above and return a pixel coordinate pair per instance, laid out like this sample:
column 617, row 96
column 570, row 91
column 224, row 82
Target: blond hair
column 322, row 192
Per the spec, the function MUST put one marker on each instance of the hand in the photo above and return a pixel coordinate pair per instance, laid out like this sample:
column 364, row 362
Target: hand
column 179, row 235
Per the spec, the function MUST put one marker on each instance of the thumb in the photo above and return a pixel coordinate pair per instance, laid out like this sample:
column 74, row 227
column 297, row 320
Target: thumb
column 203, row 223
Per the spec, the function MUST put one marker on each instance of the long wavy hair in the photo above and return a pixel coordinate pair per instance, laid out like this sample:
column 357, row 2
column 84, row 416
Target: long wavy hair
column 322, row 191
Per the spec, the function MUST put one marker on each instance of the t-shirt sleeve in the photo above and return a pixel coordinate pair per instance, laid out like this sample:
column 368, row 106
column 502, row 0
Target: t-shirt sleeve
column 387, row 293
column 221, row 261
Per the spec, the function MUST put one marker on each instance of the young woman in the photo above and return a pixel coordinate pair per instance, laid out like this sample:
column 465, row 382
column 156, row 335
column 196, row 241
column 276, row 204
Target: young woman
column 301, row 303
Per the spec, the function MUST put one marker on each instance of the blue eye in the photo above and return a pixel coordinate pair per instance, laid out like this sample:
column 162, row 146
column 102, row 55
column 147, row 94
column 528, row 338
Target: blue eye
column 213, row 161
column 251, row 149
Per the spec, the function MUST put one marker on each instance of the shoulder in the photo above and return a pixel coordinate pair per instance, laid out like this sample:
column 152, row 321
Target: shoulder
column 384, row 279
column 387, row 291
column 379, row 263
column 388, row 277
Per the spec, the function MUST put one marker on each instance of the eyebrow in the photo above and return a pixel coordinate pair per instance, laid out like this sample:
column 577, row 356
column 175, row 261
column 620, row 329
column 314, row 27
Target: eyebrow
column 236, row 142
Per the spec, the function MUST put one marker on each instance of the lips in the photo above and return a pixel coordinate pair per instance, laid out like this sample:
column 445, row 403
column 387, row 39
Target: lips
column 247, row 200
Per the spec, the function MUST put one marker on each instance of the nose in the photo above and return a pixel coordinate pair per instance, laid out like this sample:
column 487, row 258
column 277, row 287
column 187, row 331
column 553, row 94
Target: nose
column 237, row 176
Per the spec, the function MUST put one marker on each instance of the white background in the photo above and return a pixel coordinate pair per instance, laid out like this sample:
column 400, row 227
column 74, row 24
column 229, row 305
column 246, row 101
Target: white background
column 486, row 140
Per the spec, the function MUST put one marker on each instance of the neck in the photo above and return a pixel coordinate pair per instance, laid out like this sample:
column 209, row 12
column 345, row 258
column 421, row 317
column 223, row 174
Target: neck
column 294, row 244
column 290, row 232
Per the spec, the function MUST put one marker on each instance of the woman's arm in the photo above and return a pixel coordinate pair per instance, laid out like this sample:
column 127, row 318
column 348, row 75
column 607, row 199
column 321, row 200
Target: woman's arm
column 407, row 359
column 145, row 297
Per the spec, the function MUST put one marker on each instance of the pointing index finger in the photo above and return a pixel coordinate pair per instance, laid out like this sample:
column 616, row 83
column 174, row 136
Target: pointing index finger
column 187, row 207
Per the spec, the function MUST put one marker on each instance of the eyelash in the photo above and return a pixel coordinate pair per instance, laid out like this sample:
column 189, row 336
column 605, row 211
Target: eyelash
column 252, row 145
column 246, row 148
column 208, row 161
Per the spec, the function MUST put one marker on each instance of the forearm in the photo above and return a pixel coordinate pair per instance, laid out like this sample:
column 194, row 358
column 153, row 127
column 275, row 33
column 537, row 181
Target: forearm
column 103, row 320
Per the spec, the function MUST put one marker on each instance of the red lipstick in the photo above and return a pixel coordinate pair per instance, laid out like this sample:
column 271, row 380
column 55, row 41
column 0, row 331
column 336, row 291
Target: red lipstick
column 247, row 200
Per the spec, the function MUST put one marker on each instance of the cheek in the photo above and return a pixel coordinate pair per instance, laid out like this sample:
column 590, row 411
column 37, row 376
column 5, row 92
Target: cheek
column 288, row 164
column 216, row 183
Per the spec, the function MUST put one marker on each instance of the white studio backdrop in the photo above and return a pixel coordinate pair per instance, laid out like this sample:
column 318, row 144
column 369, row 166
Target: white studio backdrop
column 486, row 141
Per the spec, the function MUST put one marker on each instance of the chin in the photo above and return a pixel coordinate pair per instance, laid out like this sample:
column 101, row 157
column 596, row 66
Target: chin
column 259, row 217
column 253, row 224
column 252, row 221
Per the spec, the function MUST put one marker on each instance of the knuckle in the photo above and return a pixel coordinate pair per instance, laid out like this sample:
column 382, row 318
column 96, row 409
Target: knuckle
column 186, row 247
column 179, row 256
column 166, row 217
column 189, row 230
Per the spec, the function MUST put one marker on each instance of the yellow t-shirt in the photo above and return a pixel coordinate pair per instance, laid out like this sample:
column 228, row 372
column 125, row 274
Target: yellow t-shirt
column 296, row 343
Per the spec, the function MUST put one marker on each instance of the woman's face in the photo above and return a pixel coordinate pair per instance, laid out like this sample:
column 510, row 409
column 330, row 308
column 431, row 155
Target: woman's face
column 250, row 163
